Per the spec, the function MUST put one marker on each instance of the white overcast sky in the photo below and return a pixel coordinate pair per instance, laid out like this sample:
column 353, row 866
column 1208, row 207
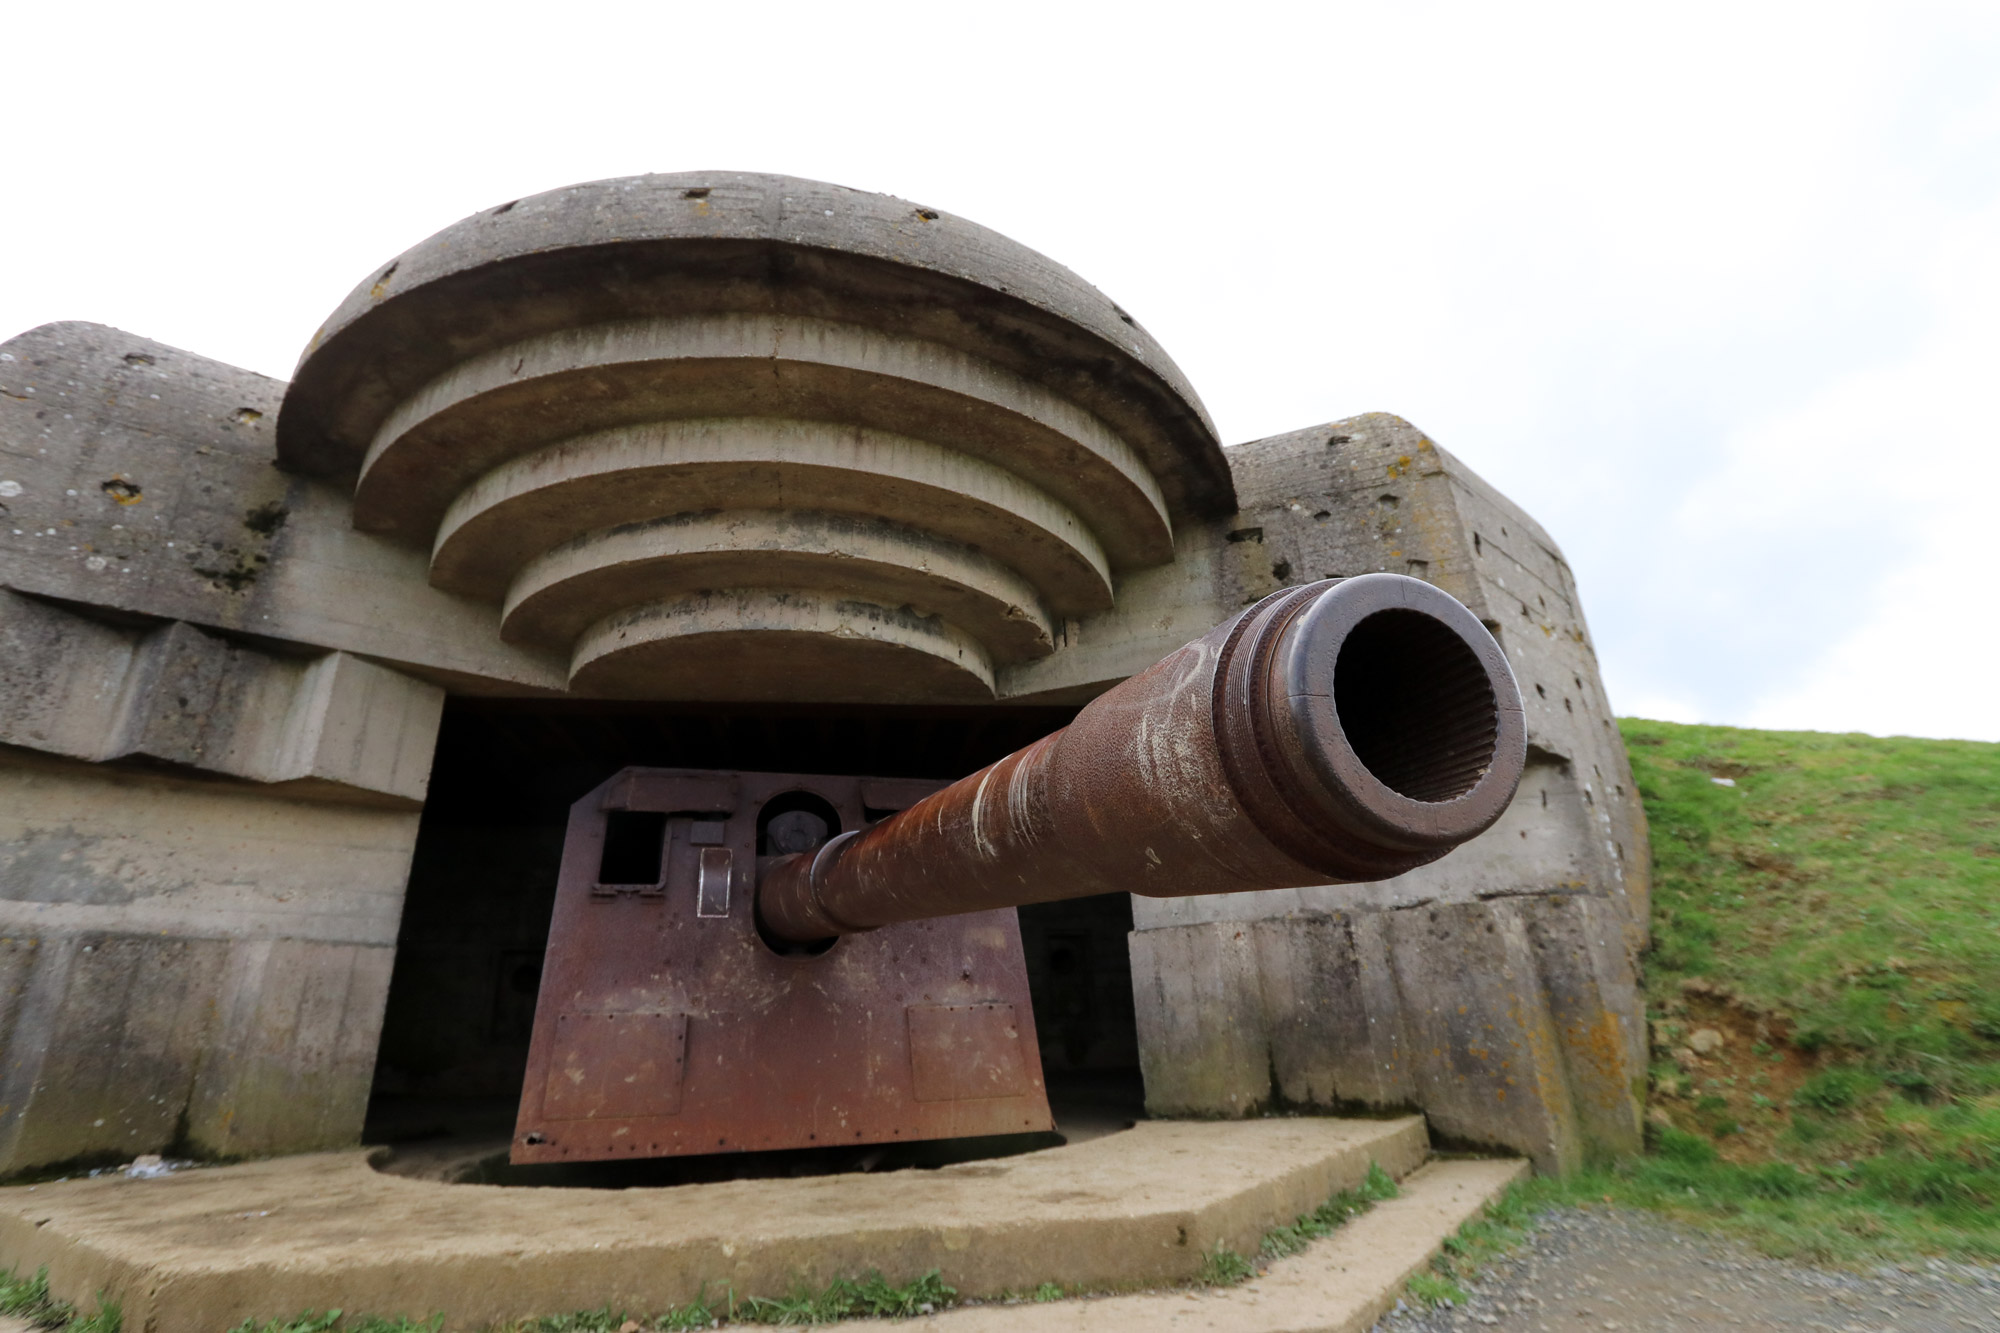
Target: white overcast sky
column 1713, row 291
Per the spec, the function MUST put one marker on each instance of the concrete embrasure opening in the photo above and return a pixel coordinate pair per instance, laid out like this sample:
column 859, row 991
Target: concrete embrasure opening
column 1416, row 704
column 482, row 885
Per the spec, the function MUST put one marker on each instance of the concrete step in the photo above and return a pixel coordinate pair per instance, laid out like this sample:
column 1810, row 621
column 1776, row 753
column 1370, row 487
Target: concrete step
column 202, row 1250
column 1341, row 1284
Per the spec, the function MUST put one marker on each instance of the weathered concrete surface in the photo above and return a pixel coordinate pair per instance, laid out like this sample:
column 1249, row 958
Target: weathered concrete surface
column 538, row 377
column 333, row 727
column 1495, row 988
column 1341, row 1284
column 203, row 849
column 506, row 403
column 1513, row 1023
column 204, row 1250
column 140, row 479
column 701, row 243
column 187, row 962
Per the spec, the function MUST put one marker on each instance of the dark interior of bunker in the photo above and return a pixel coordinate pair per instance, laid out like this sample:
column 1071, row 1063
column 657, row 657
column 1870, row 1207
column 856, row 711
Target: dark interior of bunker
column 482, row 885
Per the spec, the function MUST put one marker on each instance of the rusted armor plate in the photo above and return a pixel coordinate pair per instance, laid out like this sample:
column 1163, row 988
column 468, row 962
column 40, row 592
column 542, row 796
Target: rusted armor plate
column 667, row 1026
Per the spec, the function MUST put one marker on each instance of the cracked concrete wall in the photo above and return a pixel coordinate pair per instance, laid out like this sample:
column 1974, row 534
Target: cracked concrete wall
column 1494, row 989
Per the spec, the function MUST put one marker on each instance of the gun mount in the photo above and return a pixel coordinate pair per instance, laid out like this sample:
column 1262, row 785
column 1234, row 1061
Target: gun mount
column 765, row 961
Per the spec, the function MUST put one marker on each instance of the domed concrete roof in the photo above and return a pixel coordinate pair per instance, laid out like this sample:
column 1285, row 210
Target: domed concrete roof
column 653, row 416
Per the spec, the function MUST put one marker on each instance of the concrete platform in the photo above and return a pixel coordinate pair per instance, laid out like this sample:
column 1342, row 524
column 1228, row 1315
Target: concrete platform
column 200, row 1251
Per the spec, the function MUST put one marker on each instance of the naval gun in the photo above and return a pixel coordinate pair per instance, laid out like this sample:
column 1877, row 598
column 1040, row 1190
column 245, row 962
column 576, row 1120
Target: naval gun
column 754, row 960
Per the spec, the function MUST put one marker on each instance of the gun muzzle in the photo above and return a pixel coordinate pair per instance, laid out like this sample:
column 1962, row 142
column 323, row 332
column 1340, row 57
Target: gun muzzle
column 1345, row 731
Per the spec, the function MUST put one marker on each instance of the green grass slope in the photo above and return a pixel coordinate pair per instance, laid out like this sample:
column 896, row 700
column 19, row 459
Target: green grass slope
column 1824, row 989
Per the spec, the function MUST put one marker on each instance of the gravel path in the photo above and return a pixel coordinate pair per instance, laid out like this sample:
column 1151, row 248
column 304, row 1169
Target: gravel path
column 1600, row 1269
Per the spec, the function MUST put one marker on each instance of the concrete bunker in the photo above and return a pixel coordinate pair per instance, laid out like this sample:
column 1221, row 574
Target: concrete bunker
column 715, row 450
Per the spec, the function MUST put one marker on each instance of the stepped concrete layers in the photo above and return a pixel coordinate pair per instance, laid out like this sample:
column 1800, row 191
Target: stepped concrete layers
column 714, row 437
column 1494, row 988
column 983, row 439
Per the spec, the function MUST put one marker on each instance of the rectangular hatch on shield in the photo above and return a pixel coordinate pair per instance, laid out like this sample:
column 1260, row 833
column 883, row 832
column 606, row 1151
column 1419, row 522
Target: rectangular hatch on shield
column 634, row 852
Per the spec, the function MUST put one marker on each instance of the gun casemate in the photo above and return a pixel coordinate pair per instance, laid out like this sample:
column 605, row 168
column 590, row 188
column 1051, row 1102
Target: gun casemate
column 1344, row 731
column 760, row 512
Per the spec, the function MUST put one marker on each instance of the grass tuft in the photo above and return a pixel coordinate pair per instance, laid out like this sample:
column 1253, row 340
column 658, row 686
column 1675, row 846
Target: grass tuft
column 318, row 1321
column 28, row 1299
column 871, row 1297
column 1329, row 1216
column 1224, row 1267
column 1433, row 1290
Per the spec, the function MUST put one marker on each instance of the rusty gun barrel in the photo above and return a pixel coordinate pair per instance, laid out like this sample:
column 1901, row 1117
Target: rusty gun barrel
column 1344, row 731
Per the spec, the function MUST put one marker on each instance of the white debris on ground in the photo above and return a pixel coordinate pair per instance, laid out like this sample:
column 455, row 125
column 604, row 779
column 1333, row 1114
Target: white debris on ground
column 148, row 1165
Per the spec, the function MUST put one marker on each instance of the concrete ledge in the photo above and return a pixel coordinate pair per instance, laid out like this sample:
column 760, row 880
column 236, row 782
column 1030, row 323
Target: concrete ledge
column 204, row 1250
column 1342, row 1284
